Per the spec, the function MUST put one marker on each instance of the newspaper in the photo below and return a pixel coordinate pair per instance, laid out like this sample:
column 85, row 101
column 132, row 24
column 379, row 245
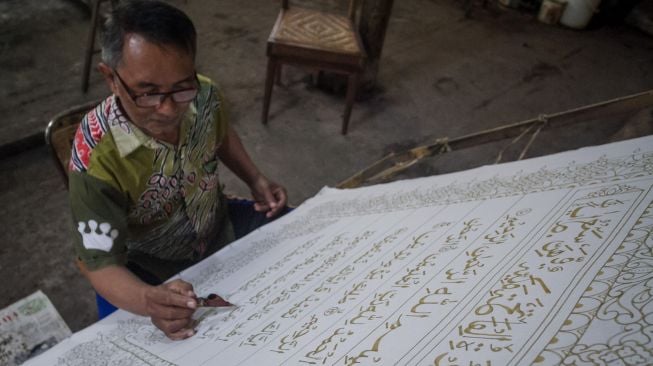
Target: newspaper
column 29, row 327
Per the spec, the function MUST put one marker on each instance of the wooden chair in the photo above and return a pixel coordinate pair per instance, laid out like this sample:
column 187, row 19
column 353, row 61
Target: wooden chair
column 319, row 40
column 60, row 133
column 90, row 43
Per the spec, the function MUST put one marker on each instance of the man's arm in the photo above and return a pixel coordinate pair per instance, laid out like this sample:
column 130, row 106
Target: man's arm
column 99, row 248
column 170, row 306
column 269, row 196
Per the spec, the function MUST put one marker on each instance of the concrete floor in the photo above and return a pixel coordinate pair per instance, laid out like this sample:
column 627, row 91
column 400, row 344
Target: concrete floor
column 441, row 75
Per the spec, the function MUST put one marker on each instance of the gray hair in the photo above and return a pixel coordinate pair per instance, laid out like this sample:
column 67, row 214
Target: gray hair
column 156, row 21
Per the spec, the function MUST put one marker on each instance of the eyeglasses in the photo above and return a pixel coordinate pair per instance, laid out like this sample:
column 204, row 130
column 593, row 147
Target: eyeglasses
column 149, row 100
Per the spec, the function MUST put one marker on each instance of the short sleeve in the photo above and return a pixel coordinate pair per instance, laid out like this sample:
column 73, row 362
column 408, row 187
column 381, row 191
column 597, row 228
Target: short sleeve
column 99, row 214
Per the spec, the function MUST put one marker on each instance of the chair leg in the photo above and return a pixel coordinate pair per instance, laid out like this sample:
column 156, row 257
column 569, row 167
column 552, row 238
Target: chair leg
column 352, row 88
column 90, row 45
column 277, row 74
column 269, row 81
column 315, row 77
column 469, row 4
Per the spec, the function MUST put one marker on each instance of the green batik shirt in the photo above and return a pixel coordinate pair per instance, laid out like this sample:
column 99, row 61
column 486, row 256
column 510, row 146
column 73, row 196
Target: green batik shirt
column 139, row 200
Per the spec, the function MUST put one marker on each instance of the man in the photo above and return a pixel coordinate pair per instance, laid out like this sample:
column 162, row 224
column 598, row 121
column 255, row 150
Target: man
column 144, row 188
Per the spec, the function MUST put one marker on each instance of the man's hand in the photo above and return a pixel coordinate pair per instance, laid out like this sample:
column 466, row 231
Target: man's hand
column 171, row 307
column 269, row 196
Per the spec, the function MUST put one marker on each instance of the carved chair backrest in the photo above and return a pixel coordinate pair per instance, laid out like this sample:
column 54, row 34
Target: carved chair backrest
column 351, row 13
column 60, row 133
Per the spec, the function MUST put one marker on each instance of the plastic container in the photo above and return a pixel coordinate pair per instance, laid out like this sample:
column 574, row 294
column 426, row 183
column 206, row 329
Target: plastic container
column 578, row 13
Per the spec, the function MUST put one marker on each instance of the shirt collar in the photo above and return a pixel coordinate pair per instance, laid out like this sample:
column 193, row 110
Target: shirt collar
column 128, row 137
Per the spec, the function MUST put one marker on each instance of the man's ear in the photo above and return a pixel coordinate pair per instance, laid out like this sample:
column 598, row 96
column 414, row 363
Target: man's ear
column 107, row 73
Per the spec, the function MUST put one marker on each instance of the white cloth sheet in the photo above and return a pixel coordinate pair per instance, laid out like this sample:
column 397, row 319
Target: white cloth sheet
column 545, row 261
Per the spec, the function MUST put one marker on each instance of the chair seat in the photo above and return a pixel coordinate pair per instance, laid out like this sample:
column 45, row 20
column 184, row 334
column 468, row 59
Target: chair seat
column 319, row 31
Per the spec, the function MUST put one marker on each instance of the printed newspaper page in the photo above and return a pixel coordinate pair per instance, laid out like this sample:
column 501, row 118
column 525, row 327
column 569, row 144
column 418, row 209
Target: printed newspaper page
column 29, row 327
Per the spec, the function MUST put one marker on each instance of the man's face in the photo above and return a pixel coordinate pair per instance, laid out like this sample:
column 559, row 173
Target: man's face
column 148, row 68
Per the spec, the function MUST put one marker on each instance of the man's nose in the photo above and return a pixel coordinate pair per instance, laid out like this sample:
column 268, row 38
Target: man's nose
column 168, row 107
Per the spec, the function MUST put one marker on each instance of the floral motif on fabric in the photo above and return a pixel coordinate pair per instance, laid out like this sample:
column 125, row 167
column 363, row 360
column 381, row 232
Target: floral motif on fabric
column 162, row 194
column 117, row 118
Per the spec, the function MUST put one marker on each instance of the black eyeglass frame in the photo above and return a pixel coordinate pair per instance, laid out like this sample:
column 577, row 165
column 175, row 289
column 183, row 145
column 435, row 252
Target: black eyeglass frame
column 161, row 96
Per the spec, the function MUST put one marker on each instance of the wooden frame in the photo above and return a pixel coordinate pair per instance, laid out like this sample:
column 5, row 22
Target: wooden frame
column 396, row 162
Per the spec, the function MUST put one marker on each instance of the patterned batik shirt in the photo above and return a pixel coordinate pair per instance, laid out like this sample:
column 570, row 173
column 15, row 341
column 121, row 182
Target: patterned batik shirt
column 141, row 201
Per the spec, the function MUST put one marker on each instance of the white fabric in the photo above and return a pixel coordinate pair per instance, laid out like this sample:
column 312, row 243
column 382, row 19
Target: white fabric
column 543, row 261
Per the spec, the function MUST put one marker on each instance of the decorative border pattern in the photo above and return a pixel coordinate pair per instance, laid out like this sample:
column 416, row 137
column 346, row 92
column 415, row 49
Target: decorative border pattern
column 600, row 171
column 621, row 294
